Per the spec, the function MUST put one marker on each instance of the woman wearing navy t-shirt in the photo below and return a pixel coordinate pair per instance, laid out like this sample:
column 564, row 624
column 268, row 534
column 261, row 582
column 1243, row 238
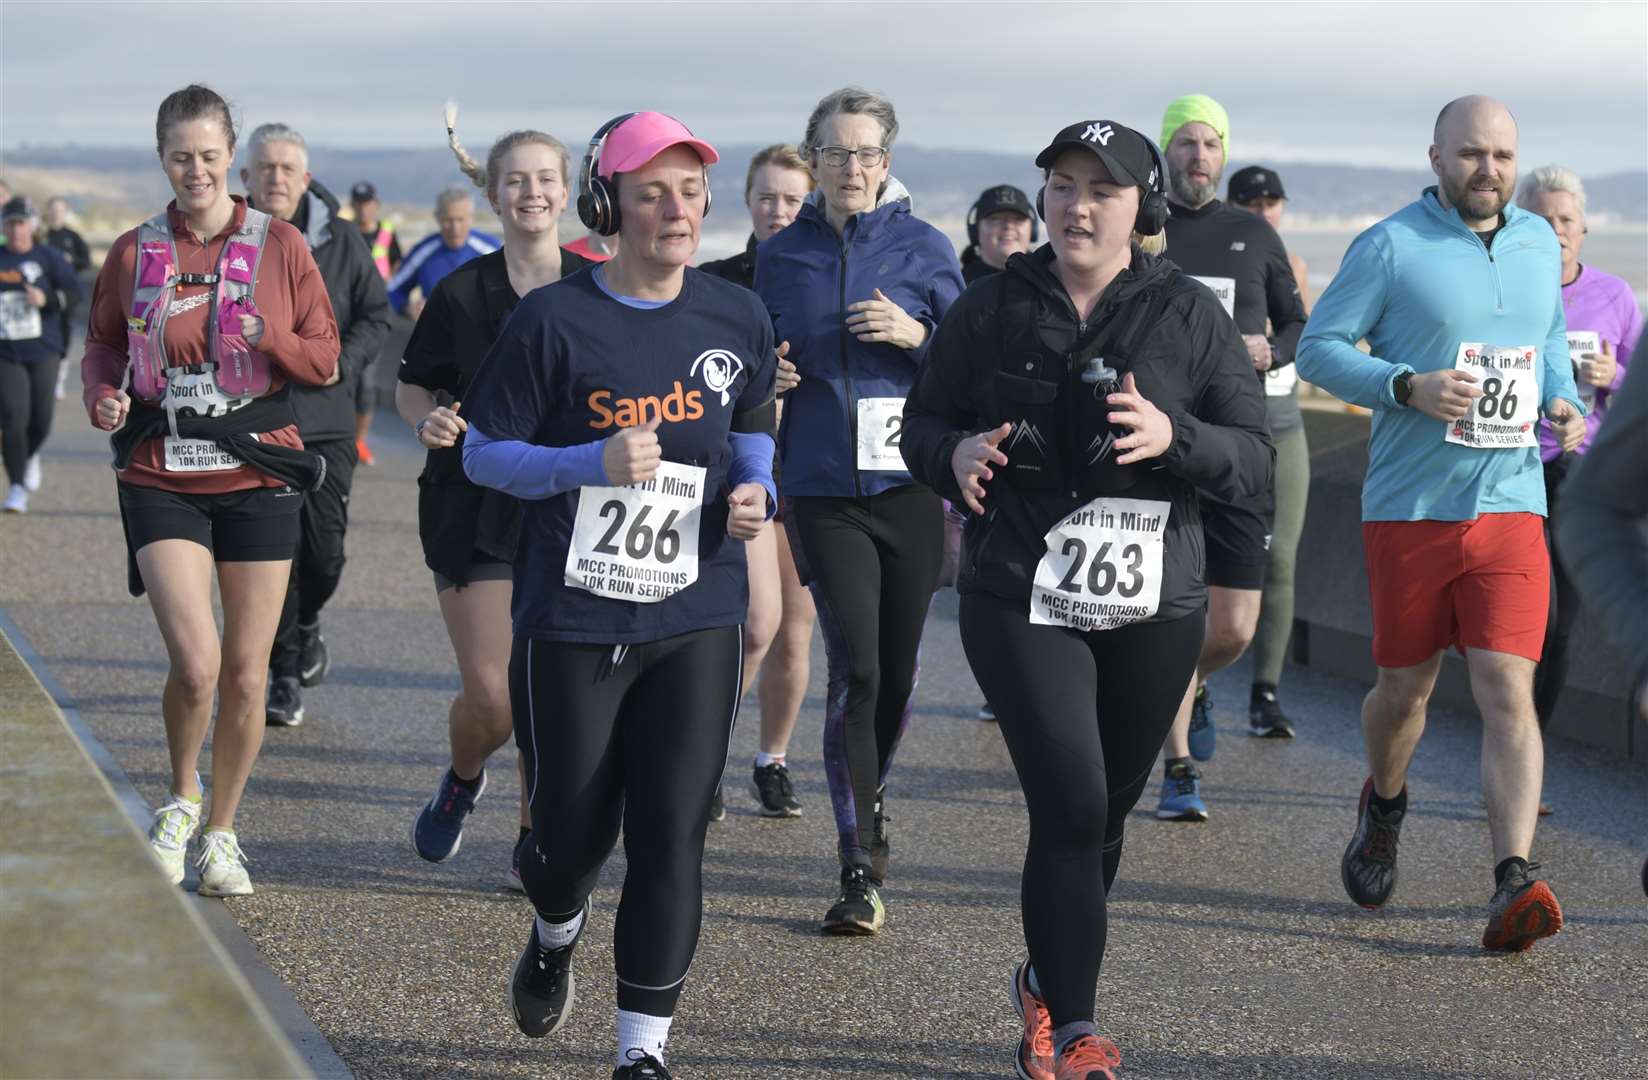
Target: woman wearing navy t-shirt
column 631, row 410
column 856, row 286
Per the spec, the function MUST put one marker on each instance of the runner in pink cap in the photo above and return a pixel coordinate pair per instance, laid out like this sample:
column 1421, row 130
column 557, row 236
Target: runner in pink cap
column 637, row 663
column 643, row 136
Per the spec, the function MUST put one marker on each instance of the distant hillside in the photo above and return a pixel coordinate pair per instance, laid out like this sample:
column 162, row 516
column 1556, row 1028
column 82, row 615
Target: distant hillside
column 944, row 182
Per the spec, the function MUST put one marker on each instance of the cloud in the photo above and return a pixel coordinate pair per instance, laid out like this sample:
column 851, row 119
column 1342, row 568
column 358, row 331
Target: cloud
column 1358, row 83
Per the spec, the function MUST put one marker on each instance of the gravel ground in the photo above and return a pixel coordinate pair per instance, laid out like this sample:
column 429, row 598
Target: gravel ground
column 1233, row 951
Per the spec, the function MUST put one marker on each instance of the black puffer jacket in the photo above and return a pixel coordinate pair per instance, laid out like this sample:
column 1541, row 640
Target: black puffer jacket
column 1012, row 349
column 360, row 305
column 738, row 269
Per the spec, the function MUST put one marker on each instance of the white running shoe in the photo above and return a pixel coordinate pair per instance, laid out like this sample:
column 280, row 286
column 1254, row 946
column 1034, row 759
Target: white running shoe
column 31, row 474
column 175, row 824
column 222, row 865
column 17, row 500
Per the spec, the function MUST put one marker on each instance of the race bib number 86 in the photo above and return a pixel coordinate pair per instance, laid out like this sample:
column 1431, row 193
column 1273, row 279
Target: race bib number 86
column 1103, row 566
column 638, row 542
column 1507, row 413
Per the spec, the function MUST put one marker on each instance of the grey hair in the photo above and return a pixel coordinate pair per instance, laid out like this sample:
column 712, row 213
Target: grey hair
column 855, row 100
column 271, row 133
column 1552, row 178
column 451, row 195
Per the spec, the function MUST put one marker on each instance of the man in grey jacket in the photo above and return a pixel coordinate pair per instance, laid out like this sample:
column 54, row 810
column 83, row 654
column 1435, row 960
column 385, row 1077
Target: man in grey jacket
column 278, row 182
column 1602, row 529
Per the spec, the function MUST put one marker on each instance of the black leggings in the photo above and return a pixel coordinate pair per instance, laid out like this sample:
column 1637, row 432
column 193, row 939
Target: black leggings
column 1552, row 672
column 28, row 391
column 632, row 736
column 872, row 564
column 317, row 566
column 1084, row 715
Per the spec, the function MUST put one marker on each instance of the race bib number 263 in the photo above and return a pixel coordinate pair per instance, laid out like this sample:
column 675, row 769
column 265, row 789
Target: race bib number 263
column 1102, row 567
column 1507, row 412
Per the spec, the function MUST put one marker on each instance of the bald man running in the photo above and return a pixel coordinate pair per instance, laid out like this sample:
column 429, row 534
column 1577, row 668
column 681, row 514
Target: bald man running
column 1459, row 296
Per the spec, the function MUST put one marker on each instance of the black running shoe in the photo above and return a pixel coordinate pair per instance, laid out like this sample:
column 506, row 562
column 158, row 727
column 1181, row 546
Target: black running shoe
column 881, row 851
column 718, row 804
column 774, row 791
column 1522, row 911
column 542, row 989
column 641, row 1067
column 285, row 705
column 858, row 911
column 1369, row 866
column 1203, row 736
column 1265, row 718
column 314, row 661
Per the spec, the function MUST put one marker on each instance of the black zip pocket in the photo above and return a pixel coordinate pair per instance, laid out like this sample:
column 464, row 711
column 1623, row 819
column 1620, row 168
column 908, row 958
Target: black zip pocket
column 974, row 534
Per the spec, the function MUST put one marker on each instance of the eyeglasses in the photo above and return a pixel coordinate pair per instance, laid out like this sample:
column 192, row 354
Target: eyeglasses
column 836, row 156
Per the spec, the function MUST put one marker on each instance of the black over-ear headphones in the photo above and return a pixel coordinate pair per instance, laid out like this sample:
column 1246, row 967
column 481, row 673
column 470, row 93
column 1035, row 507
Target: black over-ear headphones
column 973, row 221
column 598, row 196
column 1153, row 208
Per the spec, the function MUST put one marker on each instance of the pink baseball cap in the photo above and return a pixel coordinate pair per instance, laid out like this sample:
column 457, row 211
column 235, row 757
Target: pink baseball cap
column 643, row 137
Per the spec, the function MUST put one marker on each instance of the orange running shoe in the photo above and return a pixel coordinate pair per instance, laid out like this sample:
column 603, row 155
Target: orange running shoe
column 1090, row 1057
column 1522, row 911
column 1034, row 1059
column 364, row 452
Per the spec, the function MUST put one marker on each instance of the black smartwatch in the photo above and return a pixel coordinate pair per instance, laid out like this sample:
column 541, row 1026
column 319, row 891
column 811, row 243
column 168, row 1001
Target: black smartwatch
column 1402, row 388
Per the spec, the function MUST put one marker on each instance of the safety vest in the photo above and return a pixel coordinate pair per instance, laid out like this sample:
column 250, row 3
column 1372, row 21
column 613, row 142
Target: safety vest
column 380, row 248
column 239, row 373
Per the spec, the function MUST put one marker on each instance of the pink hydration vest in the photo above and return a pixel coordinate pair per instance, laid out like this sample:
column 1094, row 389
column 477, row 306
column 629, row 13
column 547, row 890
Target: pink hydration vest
column 241, row 371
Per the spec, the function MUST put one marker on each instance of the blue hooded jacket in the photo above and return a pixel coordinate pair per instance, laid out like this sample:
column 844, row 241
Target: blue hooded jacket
column 1416, row 285
column 807, row 276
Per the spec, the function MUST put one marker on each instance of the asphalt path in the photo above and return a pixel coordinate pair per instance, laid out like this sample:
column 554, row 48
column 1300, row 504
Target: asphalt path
column 1233, row 950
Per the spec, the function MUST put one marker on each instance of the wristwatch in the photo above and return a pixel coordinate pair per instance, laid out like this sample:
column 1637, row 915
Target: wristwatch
column 1402, row 388
column 418, row 431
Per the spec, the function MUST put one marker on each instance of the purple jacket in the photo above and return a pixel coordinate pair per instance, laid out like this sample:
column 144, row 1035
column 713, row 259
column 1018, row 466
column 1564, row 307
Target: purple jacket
column 1599, row 301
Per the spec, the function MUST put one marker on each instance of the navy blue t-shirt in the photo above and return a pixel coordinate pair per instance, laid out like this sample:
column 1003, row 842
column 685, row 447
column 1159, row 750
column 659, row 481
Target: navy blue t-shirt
column 574, row 365
column 28, row 333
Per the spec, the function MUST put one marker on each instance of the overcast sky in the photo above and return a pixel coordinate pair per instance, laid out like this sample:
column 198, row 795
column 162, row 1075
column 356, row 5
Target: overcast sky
column 1353, row 83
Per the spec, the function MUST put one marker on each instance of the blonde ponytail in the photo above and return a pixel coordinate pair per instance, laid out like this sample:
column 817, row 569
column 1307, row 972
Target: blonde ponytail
column 486, row 177
column 1151, row 245
column 471, row 168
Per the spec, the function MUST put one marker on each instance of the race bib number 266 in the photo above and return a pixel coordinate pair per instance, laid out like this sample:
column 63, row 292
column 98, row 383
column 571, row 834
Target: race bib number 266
column 638, row 542
column 1507, row 412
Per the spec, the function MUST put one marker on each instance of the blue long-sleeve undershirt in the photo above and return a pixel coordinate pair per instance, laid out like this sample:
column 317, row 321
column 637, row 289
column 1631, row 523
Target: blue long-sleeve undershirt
column 527, row 471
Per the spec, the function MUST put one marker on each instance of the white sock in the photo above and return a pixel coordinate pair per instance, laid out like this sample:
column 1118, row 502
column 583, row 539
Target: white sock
column 763, row 759
column 641, row 1034
column 559, row 935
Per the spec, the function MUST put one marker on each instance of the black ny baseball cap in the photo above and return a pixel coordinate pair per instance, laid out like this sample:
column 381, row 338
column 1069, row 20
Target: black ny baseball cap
column 1003, row 197
column 1125, row 152
column 363, row 192
column 17, row 208
column 1255, row 182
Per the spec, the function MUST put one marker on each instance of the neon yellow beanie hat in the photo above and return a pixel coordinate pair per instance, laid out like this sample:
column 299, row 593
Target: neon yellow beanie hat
column 1192, row 108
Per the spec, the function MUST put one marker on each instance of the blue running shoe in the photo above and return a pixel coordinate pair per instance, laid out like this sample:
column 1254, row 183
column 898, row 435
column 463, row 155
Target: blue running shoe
column 438, row 831
column 1203, row 735
column 1182, row 795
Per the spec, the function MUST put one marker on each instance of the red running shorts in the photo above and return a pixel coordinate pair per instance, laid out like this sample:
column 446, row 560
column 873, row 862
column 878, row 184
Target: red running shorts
column 1482, row 584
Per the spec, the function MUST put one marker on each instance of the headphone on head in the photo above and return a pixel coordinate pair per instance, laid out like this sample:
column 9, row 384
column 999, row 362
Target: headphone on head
column 973, row 223
column 597, row 195
column 1153, row 208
